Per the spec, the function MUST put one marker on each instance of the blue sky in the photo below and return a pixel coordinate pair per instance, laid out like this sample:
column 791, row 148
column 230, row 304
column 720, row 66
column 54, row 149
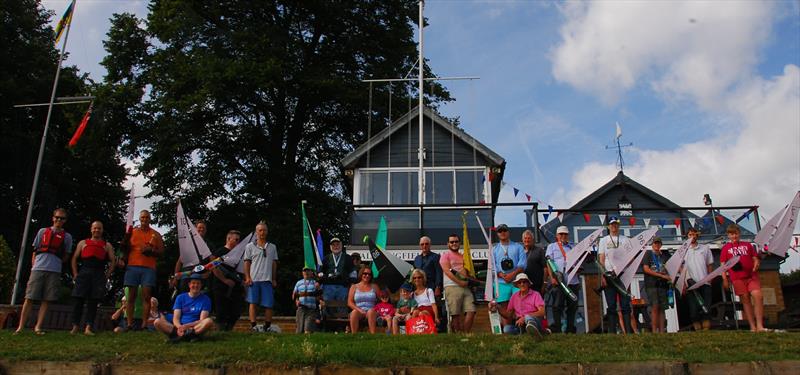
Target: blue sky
column 708, row 92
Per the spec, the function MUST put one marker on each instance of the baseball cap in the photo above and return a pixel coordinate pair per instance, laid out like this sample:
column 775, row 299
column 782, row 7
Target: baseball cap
column 562, row 229
column 521, row 276
column 334, row 239
column 613, row 219
column 501, row 227
column 657, row 239
column 406, row 286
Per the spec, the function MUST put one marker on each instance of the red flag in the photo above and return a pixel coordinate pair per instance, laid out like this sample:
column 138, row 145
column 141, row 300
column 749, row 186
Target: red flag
column 631, row 221
column 587, row 217
column 721, row 219
column 677, row 222
column 81, row 128
column 528, row 196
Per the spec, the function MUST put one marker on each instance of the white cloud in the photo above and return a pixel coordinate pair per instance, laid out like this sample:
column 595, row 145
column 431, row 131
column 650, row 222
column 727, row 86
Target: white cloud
column 695, row 49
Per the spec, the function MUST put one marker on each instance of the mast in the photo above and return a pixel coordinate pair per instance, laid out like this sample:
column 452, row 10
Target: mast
column 421, row 82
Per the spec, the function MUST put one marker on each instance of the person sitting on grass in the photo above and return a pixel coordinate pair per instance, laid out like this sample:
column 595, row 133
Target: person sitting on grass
column 385, row 310
column 307, row 294
column 190, row 314
column 406, row 306
column 525, row 309
column 361, row 299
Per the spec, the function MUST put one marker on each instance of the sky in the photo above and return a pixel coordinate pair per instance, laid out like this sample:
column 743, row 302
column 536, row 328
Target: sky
column 707, row 92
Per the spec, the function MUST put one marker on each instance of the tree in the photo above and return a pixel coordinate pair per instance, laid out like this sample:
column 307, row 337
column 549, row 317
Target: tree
column 86, row 180
column 7, row 266
column 252, row 105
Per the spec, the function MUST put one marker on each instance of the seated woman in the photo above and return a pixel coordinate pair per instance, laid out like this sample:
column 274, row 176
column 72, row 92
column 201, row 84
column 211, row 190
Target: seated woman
column 426, row 301
column 525, row 309
column 190, row 314
column 362, row 299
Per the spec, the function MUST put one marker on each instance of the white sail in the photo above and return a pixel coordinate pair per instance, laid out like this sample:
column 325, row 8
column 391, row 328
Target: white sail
column 765, row 234
column 780, row 242
column 193, row 249
column 680, row 284
column 235, row 257
column 627, row 262
column 724, row 267
column 674, row 263
column 491, row 289
column 578, row 254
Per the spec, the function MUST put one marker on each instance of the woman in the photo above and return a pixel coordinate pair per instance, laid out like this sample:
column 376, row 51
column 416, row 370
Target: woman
column 362, row 299
column 90, row 283
column 426, row 302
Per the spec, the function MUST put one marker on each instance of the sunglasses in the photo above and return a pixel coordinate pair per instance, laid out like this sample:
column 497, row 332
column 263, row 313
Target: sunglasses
column 61, row 218
column 366, row 274
column 416, row 277
column 456, row 241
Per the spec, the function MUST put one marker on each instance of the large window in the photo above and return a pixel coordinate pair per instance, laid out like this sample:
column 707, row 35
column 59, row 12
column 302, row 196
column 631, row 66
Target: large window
column 400, row 187
column 404, row 188
column 439, row 187
column 374, row 189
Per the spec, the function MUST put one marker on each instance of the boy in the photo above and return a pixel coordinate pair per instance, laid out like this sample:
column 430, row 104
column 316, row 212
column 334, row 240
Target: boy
column 744, row 277
column 306, row 295
column 656, row 284
column 406, row 308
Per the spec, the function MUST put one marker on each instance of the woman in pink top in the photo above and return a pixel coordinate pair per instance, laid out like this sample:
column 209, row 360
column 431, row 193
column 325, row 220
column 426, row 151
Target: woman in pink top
column 525, row 309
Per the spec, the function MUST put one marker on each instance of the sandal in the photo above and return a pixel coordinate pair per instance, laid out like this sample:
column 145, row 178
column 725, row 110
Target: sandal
column 39, row 332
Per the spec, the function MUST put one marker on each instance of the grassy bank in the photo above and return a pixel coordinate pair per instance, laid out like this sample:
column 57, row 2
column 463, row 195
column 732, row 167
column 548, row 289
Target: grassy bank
column 383, row 351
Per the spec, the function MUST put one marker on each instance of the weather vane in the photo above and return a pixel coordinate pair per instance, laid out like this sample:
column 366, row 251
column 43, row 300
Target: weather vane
column 619, row 148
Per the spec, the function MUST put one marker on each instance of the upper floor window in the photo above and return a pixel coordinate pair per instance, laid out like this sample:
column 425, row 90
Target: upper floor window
column 400, row 187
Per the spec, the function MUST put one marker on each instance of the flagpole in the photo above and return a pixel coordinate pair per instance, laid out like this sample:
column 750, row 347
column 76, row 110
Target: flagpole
column 421, row 82
column 32, row 199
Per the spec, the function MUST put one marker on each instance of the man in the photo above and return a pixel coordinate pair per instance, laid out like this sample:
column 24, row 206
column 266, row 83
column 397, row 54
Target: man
column 610, row 247
column 656, row 285
column 698, row 263
column 509, row 260
column 428, row 262
column 226, row 286
column 557, row 251
column 744, row 277
column 525, row 309
column 146, row 245
column 182, row 284
column 260, row 277
column 52, row 247
column 190, row 314
column 458, row 297
column 535, row 265
column 335, row 273
column 90, row 282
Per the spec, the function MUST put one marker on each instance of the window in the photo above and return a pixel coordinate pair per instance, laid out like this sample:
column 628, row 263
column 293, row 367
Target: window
column 400, row 187
column 374, row 189
column 404, row 188
column 469, row 186
column 439, row 187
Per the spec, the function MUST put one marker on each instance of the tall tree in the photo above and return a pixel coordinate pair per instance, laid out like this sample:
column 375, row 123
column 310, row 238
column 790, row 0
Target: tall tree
column 252, row 105
column 86, row 180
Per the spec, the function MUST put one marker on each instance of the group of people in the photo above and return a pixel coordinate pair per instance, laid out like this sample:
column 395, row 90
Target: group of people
column 440, row 286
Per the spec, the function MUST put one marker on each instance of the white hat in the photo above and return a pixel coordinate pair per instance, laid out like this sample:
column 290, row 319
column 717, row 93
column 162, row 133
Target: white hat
column 562, row 229
column 521, row 276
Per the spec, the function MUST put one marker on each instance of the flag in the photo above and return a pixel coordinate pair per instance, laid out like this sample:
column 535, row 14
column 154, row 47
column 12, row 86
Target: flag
column 631, row 221
column 65, row 21
column 692, row 221
column 619, row 131
column 380, row 240
column 81, row 128
column 545, row 216
column 308, row 251
column 586, row 217
column 528, row 196
column 516, row 191
column 721, row 219
column 677, row 222
column 319, row 248
column 468, row 265
column 602, row 218
column 646, row 222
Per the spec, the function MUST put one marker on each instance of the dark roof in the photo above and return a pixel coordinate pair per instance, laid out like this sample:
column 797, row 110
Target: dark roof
column 625, row 182
column 351, row 159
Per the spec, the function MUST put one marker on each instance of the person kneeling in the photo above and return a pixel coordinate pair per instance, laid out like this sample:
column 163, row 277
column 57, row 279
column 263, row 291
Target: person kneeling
column 525, row 309
column 190, row 314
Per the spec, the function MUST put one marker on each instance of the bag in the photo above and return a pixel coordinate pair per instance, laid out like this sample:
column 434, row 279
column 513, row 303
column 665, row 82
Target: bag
column 421, row 325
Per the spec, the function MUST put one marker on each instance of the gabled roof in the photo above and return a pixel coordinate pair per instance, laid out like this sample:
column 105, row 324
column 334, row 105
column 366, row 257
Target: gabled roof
column 626, row 183
column 351, row 159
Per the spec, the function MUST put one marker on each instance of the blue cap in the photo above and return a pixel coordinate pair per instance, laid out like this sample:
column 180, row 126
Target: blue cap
column 407, row 287
column 613, row 219
column 196, row 276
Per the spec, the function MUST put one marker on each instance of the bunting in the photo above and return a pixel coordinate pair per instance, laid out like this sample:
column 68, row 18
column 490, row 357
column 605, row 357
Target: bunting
column 721, row 219
column 516, row 191
column 586, row 217
column 677, row 222
column 692, row 221
column 631, row 221
column 646, row 222
column 602, row 218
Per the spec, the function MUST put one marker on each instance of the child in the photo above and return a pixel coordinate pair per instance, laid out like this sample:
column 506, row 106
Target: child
column 307, row 294
column 744, row 277
column 406, row 306
column 385, row 310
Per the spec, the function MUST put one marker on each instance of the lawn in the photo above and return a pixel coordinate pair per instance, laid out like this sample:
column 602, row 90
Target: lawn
column 386, row 351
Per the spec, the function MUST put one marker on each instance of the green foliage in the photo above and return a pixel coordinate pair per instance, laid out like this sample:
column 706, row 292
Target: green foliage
column 384, row 351
column 252, row 105
column 791, row 277
column 8, row 267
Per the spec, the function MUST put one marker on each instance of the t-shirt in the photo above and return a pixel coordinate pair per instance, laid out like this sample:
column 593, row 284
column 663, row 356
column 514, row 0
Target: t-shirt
column 139, row 239
column 411, row 303
column 554, row 252
column 306, row 286
column 48, row 261
column 612, row 247
column 513, row 251
column 697, row 260
column 191, row 307
column 656, row 264
column 534, row 266
column 456, row 260
column 384, row 309
column 261, row 259
column 746, row 252
column 523, row 305
column 425, row 299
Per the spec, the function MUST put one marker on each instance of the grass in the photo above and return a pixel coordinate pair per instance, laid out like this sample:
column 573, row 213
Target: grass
column 231, row 349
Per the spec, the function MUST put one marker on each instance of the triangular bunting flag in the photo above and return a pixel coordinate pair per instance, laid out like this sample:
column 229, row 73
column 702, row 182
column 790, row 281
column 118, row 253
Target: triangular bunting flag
column 602, row 218
column 516, row 191
column 721, row 219
column 662, row 222
column 692, row 221
column 631, row 221
column 549, row 209
column 546, row 216
column 528, row 196
column 706, row 221
column 586, row 217
column 560, row 217
column 646, row 222
column 677, row 222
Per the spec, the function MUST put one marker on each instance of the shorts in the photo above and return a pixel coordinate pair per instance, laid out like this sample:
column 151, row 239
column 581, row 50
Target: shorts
column 505, row 292
column 459, row 300
column 138, row 275
column 43, row 286
column 657, row 296
column 260, row 293
column 742, row 286
column 90, row 283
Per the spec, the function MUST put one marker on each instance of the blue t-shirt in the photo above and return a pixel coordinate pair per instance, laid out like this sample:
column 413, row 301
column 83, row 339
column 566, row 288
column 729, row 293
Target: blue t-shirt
column 306, row 286
column 191, row 307
column 514, row 251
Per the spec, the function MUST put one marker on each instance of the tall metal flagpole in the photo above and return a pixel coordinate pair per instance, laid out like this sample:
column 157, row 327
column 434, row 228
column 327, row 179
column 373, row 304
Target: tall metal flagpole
column 421, row 82
column 32, row 200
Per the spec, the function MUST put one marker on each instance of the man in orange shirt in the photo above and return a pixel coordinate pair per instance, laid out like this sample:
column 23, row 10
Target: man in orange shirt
column 145, row 246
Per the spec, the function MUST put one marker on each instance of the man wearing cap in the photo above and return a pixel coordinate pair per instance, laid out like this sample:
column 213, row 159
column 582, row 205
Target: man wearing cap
column 557, row 251
column 525, row 309
column 335, row 273
column 306, row 296
column 428, row 262
column 509, row 260
column 656, row 285
column 610, row 247
column 190, row 314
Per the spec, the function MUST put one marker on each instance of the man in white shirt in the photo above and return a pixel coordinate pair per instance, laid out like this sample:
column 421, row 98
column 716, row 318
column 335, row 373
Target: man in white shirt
column 260, row 274
column 698, row 263
column 611, row 247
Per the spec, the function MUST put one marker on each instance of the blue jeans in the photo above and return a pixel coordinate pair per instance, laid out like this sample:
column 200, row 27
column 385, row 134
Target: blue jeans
column 513, row 329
